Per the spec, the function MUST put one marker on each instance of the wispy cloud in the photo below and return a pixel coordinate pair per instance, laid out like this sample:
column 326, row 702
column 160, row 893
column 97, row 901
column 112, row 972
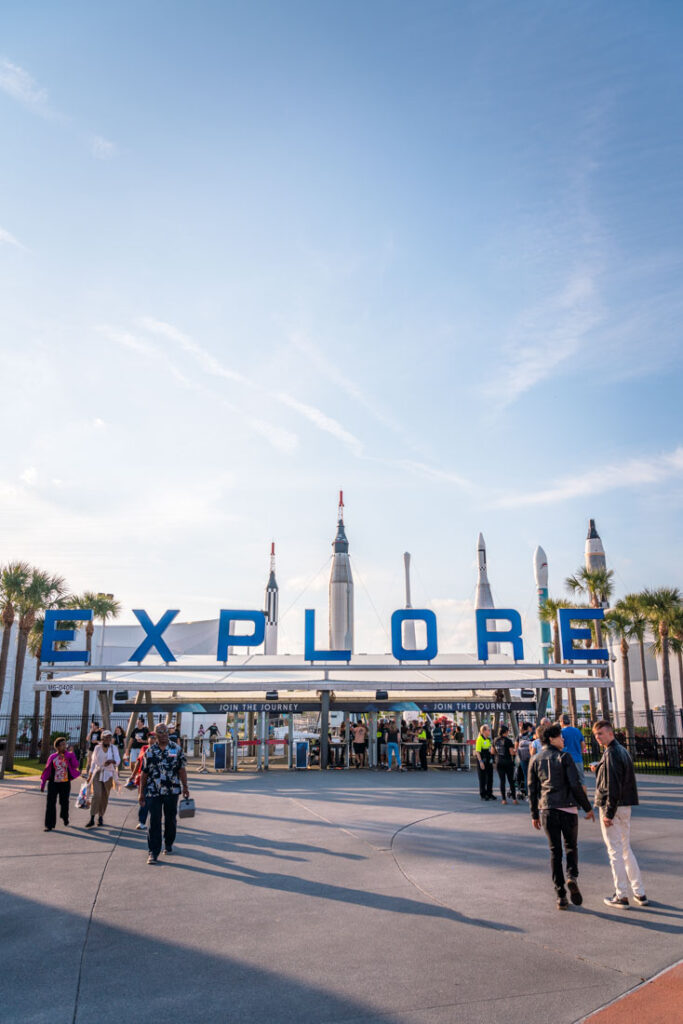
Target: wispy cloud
column 209, row 364
column 7, row 239
column 630, row 473
column 332, row 372
column 281, row 439
column 547, row 336
column 18, row 84
column 101, row 148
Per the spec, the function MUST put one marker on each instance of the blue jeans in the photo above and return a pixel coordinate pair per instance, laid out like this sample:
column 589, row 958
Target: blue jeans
column 158, row 805
column 143, row 811
column 393, row 749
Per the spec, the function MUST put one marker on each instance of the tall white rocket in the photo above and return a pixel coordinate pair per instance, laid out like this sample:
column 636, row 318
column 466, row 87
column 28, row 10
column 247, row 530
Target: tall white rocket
column 409, row 641
column 483, row 597
column 341, row 589
column 272, row 599
column 594, row 551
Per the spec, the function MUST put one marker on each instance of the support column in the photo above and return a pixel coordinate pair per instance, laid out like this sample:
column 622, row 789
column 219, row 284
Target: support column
column 347, row 756
column 542, row 705
column 373, row 760
column 324, row 727
column 290, row 745
column 139, row 698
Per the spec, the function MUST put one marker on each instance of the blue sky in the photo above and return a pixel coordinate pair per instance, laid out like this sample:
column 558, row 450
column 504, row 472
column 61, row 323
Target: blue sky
column 253, row 253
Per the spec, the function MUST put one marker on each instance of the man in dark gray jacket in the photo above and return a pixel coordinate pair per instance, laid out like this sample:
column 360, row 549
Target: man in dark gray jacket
column 554, row 793
column 615, row 794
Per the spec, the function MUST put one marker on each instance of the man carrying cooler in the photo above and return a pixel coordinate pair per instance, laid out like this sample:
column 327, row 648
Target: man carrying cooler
column 163, row 773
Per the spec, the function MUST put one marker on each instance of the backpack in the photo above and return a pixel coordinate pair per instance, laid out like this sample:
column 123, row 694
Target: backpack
column 524, row 746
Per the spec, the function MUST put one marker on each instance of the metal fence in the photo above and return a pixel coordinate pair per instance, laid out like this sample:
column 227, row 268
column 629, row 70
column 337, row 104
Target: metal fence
column 60, row 725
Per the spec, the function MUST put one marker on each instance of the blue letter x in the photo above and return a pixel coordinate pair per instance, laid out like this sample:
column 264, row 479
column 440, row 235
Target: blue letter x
column 153, row 638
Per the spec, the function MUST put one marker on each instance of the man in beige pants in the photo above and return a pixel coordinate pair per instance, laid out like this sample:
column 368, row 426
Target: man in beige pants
column 104, row 768
column 615, row 794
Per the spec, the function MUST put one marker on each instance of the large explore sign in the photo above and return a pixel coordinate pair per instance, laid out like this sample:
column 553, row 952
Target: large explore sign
column 485, row 620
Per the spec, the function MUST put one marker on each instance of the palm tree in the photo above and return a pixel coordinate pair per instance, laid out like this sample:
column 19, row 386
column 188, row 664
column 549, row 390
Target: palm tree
column 13, row 578
column 663, row 607
column 633, row 604
column 597, row 585
column 104, row 607
column 619, row 624
column 42, row 590
column 677, row 647
column 548, row 613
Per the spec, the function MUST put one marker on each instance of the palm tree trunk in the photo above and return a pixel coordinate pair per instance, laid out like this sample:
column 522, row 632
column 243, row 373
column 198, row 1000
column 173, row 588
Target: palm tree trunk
column 85, row 716
column 593, row 704
column 572, row 705
column 4, row 657
column 33, row 749
column 22, row 641
column 558, row 703
column 646, row 692
column 628, row 697
column 671, row 730
column 47, row 725
column 604, row 692
column 680, row 674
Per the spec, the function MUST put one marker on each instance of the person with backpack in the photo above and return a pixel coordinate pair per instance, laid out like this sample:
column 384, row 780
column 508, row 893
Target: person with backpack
column 505, row 763
column 61, row 768
column 523, row 757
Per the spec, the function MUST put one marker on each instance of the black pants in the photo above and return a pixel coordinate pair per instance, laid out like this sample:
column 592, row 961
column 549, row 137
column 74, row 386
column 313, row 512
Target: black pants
column 506, row 770
column 485, row 779
column 56, row 790
column 423, row 755
column 437, row 749
column 559, row 826
column 168, row 805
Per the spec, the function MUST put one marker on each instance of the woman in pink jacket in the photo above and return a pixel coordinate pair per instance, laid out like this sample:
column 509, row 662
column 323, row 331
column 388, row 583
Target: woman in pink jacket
column 60, row 769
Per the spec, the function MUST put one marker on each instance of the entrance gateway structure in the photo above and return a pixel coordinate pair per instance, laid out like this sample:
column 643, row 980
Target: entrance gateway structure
column 285, row 684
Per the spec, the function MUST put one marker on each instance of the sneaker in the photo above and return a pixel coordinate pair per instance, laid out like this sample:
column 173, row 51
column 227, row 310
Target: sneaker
column 152, row 859
column 562, row 903
column 90, row 824
column 515, row 801
column 493, row 798
column 616, row 901
column 503, row 801
column 168, row 852
column 48, row 830
column 140, row 826
column 574, row 893
column 642, row 901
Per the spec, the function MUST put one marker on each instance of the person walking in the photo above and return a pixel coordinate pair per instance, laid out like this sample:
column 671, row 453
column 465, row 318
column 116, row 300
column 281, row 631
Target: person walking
column 482, row 750
column 524, row 756
column 423, row 740
column 104, row 773
column 393, row 748
column 360, row 733
column 437, row 742
column 161, row 779
column 554, row 794
column 615, row 794
column 61, row 768
column 138, row 738
column 505, row 763
column 575, row 745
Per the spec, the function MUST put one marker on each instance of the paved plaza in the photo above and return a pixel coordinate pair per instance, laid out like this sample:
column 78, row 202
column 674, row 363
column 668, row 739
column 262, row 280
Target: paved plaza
column 325, row 897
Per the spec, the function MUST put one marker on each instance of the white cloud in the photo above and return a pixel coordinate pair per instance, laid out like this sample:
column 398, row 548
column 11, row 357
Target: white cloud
column 322, row 421
column 630, row 473
column 7, row 239
column 101, row 148
column 18, row 84
column 547, row 336
column 29, row 476
column 206, row 361
column 98, row 423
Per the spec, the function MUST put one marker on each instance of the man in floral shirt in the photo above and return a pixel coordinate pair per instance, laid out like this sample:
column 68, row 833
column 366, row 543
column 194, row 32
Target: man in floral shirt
column 162, row 776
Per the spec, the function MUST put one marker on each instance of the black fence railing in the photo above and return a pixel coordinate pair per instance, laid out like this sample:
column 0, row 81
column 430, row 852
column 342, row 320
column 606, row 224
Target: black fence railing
column 652, row 755
column 60, row 725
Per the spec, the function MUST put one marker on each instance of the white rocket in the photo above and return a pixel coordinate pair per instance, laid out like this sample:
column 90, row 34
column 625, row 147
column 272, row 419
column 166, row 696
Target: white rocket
column 341, row 589
column 272, row 598
column 594, row 552
column 409, row 641
column 483, row 597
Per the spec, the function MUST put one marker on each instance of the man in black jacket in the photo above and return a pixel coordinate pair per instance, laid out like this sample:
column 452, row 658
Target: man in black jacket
column 554, row 792
column 615, row 794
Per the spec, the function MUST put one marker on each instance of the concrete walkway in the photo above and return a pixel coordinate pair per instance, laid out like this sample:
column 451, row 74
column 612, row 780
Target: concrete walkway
column 318, row 898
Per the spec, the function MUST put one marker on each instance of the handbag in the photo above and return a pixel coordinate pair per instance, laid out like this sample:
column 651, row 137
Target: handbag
column 186, row 808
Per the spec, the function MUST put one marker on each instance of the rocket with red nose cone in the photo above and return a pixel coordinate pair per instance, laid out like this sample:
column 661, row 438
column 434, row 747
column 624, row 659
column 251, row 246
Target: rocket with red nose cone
column 341, row 588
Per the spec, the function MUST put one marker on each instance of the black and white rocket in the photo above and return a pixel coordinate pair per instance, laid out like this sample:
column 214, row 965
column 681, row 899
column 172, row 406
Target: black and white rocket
column 483, row 597
column 341, row 588
column 272, row 598
column 594, row 551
